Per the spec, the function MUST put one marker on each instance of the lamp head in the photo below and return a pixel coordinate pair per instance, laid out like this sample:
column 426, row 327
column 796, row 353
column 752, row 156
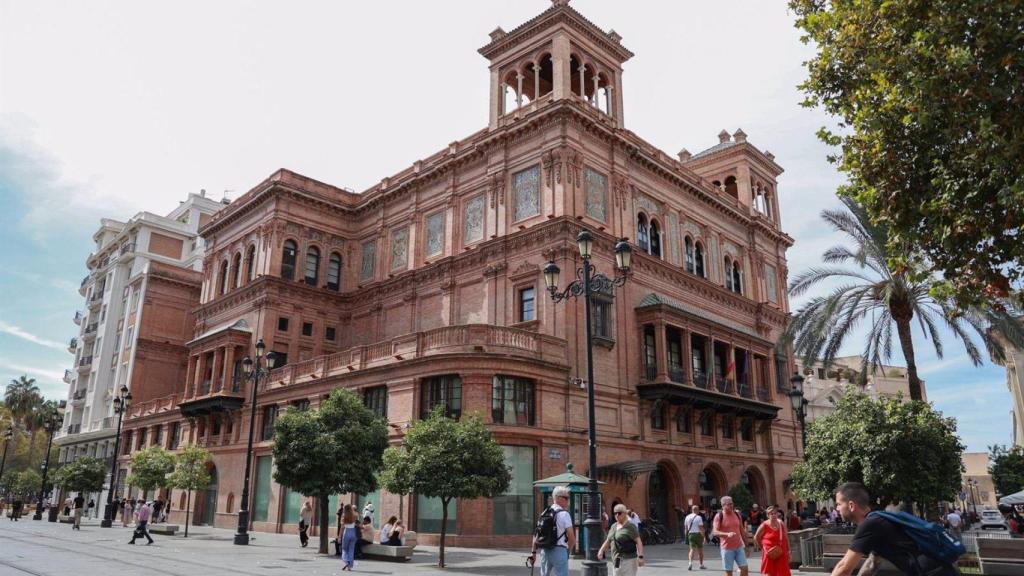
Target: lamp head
column 585, row 242
column 124, row 389
column 272, row 358
column 798, row 382
column 127, row 399
column 117, row 404
column 551, row 273
column 260, row 347
column 247, row 365
column 623, row 254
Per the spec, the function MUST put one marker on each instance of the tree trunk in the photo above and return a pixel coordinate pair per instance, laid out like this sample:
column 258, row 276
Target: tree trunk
column 907, row 345
column 188, row 508
column 325, row 524
column 444, row 528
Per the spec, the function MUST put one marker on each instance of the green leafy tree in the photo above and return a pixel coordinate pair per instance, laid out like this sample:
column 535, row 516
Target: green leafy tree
column 191, row 472
column 335, row 449
column 27, row 484
column 1006, row 465
column 151, row 468
column 445, row 458
column 742, row 498
column 871, row 290
column 900, row 450
column 85, row 474
column 929, row 101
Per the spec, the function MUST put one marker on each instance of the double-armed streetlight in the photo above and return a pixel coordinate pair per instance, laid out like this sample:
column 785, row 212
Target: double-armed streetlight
column 255, row 370
column 796, row 398
column 121, row 404
column 587, row 282
column 52, row 420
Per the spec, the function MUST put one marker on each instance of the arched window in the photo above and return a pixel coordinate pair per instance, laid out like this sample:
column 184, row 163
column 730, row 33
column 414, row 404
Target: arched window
column 641, row 233
column 688, row 245
column 728, row 274
column 730, row 187
column 222, row 287
column 334, row 272
column 312, row 265
column 737, row 285
column 236, row 271
column 250, row 264
column 288, row 255
column 698, row 260
column 655, row 238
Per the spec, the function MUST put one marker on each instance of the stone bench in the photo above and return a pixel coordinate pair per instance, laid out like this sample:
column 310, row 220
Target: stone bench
column 384, row 552
column 999, row 557
column 165, row 529
column 66, row 519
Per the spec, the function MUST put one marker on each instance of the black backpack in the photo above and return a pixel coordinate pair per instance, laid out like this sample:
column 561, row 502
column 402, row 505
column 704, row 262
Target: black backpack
column 545, row 534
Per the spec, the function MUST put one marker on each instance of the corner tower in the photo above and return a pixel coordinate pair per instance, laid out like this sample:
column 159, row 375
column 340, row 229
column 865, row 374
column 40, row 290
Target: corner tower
column 558, row 55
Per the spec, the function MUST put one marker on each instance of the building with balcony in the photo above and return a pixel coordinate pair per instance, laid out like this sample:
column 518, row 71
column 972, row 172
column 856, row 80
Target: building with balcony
column 426, row 290
column 144, row 279
column 824, row 386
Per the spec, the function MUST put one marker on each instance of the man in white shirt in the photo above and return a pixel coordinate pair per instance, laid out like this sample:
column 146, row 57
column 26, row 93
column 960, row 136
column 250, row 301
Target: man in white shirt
column 555, row 560
column 694, row 526
column 955, row 523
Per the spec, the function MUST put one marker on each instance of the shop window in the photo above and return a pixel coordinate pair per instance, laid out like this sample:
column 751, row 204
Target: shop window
column 514, row 510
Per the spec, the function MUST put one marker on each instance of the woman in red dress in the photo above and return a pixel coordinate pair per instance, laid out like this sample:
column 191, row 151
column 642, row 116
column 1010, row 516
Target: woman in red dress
column 771, row 538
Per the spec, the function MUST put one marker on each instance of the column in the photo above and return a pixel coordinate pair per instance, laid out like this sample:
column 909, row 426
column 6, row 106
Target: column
column 229, row 365
column 608, row 99
column 661, row 350
column 730, row 358
column 583, row 85
column 519, row 89
column 190, row 377
column 594, row 99
column 218, row 365
column 197, row 375
column 687, row 356
column 504, row 93
column 536, row 81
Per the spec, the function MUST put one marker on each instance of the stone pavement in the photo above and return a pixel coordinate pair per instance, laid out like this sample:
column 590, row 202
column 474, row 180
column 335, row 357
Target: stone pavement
column 42, row 548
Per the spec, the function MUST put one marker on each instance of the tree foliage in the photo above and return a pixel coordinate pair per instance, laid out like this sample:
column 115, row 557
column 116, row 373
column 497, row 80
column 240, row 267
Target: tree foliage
column 27, row 483
column 929, row 100
column 445, row 458
column 1006, row 465
column 85, row 474
column 900, row 450
column 191, row 472
column 151, row 468
column 872, row 290
column 335, row 449
column 741, row 497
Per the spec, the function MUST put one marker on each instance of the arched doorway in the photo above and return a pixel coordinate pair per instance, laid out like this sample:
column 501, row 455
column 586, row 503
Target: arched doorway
column 658, row 495
column 755, row 483
column 208, row 503
column 710, row 486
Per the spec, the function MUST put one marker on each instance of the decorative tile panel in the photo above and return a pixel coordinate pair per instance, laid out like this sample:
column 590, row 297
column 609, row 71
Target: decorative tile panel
column 646, row 204
column 475, row 219
column 771, row 281
column 400, row 248
column 596, row 194
column 673, row 238
column 526, row 193
column 435, row 234
column 369, row 255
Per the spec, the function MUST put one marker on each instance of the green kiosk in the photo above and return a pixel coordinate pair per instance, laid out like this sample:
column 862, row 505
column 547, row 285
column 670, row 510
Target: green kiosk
column 578, row 501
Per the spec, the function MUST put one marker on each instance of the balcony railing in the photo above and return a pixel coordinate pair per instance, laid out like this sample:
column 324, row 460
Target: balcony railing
column 68, row 376
column 85, row 361
column 763, row 394
column 204, row 388
column 745, row 390
column 700, row 380
column 79, row 317
column 723, row 384
column 126, row 248
column 74, row 429
column 78, row 395
column 676, row 374
column 84, row 281
column 650, row 372
column 91, row 328
column 73, row 345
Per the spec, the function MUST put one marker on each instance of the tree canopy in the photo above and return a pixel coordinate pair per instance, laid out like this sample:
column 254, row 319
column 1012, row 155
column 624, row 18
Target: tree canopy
column 334, row 449
column 900, row 450
column 191, row 472
column 151, row 468
column 86, row 474
column 741, row 497
column 445, row 458
column 1006, row 465
column 929, row 103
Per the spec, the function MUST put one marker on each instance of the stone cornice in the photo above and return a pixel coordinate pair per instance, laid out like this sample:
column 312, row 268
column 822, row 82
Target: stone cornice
column 560, row 13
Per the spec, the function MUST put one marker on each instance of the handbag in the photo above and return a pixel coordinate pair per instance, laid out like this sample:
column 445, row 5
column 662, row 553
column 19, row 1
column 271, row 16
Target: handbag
column 775, row 552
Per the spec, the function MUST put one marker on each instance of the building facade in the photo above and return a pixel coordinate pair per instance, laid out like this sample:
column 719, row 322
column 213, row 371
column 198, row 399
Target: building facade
column 143, row 283
column 823, row 387
column 1013, row 362
column 976, row 484
column 426, row 290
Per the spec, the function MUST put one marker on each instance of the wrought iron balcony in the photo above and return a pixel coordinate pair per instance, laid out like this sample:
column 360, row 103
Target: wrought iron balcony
column 677, row 374
column 68, row 376
column 649, row 372
column 73, row 345
column 126, row 248
column 745, row 389
column 79, row 317
column 764, row 394
column 91, row 328
column 85, row 361
column 700, row 380
column 723, row 384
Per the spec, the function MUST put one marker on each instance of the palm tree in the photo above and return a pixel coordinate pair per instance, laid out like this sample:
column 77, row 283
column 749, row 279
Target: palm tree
column 22, row 397
column 887, row 297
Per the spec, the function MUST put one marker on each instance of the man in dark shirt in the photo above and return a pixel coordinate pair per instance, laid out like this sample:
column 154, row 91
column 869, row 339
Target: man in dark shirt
column 881, row 537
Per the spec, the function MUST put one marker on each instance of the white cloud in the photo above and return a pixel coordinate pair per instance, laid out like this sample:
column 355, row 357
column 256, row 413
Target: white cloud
column 18, row 332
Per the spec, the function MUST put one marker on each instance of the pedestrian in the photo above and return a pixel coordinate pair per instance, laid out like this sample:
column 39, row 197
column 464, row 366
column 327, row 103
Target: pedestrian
column 368, row 511
column 881, row 537
column 365, row 536
column 774, row 543
column 305, row 517
column 635, row 519
column 79, row 507
column 755, row 518
column 395, row 534
column 124, row 512
column 731, row 531
column 954, row 521
column 694, row 530
column 794, row 520
column 144, row 513
column 158, row 506
column 385, row 530
column 624, row 541
column 554, row 536
column 347, row 535
column 680, row 522
column 16, row 509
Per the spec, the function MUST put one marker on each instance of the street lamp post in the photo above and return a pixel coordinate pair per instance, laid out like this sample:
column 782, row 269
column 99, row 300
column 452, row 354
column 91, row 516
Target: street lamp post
column 51, row 426
column 254, row 371
column 972, row 485
column 586, row 283
column 121, row 404
column 8, row 435
column 796, row 398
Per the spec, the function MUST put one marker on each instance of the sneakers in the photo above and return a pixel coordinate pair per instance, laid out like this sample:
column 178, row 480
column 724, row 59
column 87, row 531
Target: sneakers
column 702, row 567
column 689, row 566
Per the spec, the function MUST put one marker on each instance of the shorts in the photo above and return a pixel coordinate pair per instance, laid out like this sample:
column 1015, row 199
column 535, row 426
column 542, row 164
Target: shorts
column 696, row 539
column 738, row 555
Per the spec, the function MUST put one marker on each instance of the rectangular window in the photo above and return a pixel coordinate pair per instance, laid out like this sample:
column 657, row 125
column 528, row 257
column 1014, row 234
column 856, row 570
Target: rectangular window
column 282, row 358
column 307, row 328
column 601, row 317
column 158, row 435
column 175, row 435
column 512, row 400
column 658, row 416
column 269, row 417
column 429, row 515
column 399, row 248
column 747, row 430
column 728, row 424
column 301, row 405
column 376, row 399
column 444, row 391
column 781, row 379
column 126, row 447
column 771, row 283
column 527, row 312
column 707, row 423
column 513, row 510
column 261, row 498
column 683, row 419
column 215, row 423
column 329, row 333
column 282, row 324
column 142, row 438
column 650, row 357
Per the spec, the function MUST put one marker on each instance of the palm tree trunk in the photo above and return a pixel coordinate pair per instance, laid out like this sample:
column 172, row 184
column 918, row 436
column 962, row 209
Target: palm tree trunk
column 907, row 344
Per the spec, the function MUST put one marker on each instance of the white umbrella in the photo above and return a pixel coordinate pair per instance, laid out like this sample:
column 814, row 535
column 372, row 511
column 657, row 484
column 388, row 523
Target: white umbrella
column 1013, row 499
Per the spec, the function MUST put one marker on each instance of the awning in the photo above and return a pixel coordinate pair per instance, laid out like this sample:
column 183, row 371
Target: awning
column 1013, row 499
column 237, row 326
column 629, row 470
column 707, row 399
column 567, row 478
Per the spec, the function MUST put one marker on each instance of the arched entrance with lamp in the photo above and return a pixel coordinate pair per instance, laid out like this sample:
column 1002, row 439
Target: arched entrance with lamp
column 710, row 486
column 754, row 482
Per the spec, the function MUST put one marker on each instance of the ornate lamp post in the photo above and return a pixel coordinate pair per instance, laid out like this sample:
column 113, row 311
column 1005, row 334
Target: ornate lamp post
column 796, row 397
column 51, row 425
column 254, row 371
column 8, row 436
column 586, row 283
column 972, row 485
column 121, row 404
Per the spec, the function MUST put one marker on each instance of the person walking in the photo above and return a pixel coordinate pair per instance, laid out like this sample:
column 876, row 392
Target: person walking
column 554, row 536
column 731, row 531
column 774, row 543
column 16, row 508
column 144, row 514
column 158, row 506
column 348, row 533
column 78, row 505
column 694, row 534
column 124, row 512
column 305, row 517
column 624, row 541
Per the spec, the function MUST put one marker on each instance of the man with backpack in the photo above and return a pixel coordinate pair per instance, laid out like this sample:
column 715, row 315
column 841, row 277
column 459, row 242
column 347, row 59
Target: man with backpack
column 914, row 546
column 732, row 532
column 554, row 536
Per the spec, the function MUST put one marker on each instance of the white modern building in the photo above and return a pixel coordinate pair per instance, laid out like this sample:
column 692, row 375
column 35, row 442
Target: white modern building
column 824, row 387
column 132, row 263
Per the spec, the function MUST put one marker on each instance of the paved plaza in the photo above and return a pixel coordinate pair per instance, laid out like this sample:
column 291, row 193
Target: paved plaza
column 49, row 549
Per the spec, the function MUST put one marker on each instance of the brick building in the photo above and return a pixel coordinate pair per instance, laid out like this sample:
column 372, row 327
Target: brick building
column 427, row 289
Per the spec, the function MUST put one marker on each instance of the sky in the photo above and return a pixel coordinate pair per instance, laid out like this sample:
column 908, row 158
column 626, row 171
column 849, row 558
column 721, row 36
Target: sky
column 111, row 107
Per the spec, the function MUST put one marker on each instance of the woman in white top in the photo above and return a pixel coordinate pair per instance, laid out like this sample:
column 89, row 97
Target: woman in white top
column 385, row 530
column 305, row 519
